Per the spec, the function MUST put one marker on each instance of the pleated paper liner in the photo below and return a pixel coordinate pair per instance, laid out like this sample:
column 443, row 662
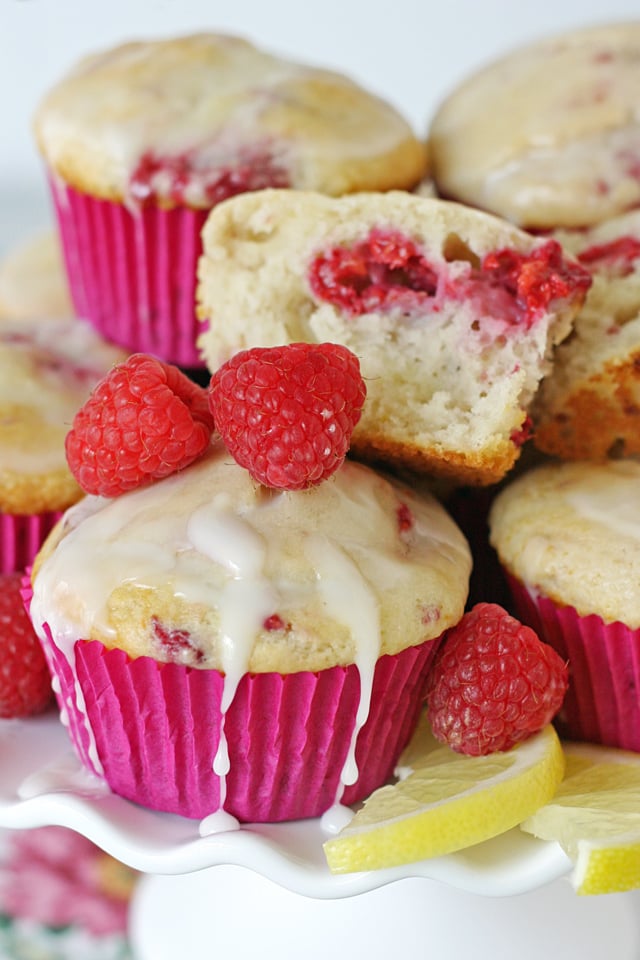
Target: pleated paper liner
column 602, row 704
column 152, row 730
column 132, row 273
column 21, row 536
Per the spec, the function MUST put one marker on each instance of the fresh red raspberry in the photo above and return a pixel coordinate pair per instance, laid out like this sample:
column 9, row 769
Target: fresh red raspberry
column 143, row 421
column 287, row 413
column 25, row 681
column 493, row 683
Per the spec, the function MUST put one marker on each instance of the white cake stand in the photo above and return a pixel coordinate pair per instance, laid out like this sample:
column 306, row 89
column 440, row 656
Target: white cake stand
column 265, row 890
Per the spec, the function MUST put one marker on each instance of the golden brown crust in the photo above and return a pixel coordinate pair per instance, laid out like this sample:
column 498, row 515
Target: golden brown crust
column 467, row 469
column 598, row 419
column 37, row 493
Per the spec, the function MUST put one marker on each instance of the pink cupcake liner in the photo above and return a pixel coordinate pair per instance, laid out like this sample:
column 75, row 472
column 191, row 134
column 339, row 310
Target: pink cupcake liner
column 602, row 704
column 132, row 273
column 21, row 536
column 152, row 730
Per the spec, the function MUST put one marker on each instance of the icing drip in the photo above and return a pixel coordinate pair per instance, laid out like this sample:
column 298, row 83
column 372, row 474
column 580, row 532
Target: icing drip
column 350, row 600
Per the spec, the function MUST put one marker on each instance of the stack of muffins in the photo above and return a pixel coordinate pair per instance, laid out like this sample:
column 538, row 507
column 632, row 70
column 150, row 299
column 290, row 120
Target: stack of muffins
column 224, row 649
column 549, row 137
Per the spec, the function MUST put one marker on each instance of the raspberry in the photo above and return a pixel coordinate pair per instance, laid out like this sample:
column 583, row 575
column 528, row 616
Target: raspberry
column 388, row 271
column 493, row 683
column 287, row 413
column 25, row 681
column 175, row 176
column 616, row 258
column 143, row 421
column 380, row 273
column 536, row 279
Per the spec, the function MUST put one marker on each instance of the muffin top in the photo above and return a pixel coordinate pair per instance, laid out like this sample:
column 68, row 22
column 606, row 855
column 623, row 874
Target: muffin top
column 193, row 119
column 209, row 569
column 47, row 370
column 32, row 281
column 547, row 135
column 572, row 532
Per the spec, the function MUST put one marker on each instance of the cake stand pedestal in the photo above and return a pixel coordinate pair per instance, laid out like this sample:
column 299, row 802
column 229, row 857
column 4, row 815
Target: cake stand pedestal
column 265, row 890
column 232, row 912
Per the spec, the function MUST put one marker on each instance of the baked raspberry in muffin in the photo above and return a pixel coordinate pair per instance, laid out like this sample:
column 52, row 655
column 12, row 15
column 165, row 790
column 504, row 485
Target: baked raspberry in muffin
column 224, row 646
column 547, row 135
column 452, row 313
column 141, row 141
column 568, row 536
column 588, row 407
column 47, row 370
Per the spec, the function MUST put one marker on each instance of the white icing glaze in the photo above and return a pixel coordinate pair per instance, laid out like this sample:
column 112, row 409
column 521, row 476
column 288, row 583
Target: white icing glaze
column 354, row 603
column 218, row 822
column 215, row 100
column 611, row 499
column 335, row 819
column 217, row 539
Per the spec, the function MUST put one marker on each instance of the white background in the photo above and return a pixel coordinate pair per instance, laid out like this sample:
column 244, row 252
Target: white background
column 410, row 51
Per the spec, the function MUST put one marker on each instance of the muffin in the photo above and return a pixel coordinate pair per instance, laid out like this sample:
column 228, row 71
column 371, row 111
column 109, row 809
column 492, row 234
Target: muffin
column 223, row 647
column 452, row 313
column 33, row 283
column 142, row 140
column 588, row 407
column 548, row 135
column 568, row 537
column 47, row 370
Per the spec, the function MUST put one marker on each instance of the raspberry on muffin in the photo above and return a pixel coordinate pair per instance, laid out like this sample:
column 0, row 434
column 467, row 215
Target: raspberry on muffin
column 287, row 413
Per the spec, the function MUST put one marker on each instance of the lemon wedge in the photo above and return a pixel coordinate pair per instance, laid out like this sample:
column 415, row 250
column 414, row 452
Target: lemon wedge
column 447, row 801
column 595, row 817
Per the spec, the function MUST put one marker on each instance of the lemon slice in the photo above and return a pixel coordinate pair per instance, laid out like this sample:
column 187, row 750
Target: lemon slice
column 447, row 802
column 595, row 817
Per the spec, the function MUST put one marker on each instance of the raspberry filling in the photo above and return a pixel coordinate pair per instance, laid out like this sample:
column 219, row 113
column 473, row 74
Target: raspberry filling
column 382, row 272
column 177, row 644
column 47, row 360
column 405, row 518
column 388, row 271
column 180, row 177
column 616, row 258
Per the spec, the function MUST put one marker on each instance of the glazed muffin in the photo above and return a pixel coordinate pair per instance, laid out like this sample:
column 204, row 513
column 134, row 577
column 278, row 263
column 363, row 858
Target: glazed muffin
column 548, row 135
column 33, row 283
column 47, row 370
column 588, row 408
column 141, row 141
column 452, row 313
column 568, row 537
column 233, row 648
